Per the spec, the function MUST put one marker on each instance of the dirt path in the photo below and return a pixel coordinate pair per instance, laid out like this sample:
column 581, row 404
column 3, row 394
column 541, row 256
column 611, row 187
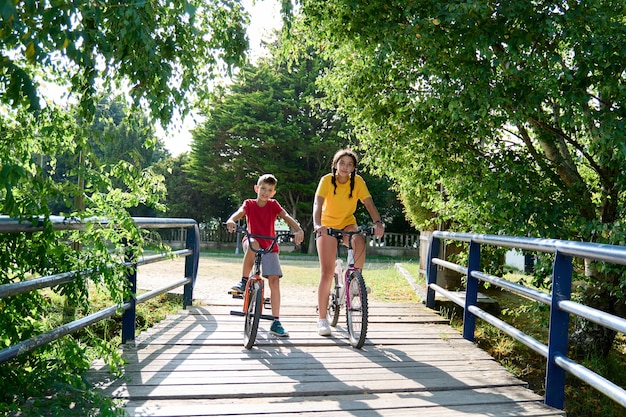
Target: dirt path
column 215, row 277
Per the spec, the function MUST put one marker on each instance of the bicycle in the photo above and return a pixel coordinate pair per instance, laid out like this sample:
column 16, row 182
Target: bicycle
column 355, row 299
column 253, row 296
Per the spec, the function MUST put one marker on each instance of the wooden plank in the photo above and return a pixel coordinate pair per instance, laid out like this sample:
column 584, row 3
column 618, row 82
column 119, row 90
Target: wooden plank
column 193, row 364
column 441, row 403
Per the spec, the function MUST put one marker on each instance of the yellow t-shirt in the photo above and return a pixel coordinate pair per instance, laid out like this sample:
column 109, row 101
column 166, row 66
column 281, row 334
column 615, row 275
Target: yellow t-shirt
column 338, row 209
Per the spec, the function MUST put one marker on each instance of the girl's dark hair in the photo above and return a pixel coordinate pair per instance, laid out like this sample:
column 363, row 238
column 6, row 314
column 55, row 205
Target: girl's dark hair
column 340, row 154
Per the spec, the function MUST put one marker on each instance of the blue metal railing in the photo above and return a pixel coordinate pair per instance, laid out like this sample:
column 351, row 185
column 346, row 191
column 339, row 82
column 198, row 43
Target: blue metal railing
column 191, row 254
column 559, row 301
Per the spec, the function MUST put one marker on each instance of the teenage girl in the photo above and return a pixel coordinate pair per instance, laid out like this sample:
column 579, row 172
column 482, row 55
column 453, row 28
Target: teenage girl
column 334, row 206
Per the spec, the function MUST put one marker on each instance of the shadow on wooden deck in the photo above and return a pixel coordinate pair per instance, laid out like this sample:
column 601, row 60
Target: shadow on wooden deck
column 413, row 363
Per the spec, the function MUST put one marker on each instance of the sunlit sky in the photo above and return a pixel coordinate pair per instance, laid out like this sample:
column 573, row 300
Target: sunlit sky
column 265, row 16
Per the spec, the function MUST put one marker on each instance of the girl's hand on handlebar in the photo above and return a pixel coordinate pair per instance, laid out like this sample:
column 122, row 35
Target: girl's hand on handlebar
column 321, row 231
column 379, row 229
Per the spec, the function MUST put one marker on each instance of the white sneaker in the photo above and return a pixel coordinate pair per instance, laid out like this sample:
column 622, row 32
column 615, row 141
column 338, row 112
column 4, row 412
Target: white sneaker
column 323, row 328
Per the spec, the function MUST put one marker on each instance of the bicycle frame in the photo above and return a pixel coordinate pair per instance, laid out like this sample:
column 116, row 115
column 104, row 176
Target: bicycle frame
column 353, row 286
column 254, row 293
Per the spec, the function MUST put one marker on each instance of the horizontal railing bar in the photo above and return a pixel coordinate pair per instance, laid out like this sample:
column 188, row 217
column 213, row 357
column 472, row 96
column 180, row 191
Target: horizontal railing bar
column 448, row 294
column 163, row 222
column 15, row 288
column 513, row 287
column 161, row 256
column 599, row 317
column 12, row 225
column 602, row 252
column 558, row 300
column 615, row 392
column 44, row 338
column 450, row 265
column 155, row 293
column 516, row 334
column 76, row 325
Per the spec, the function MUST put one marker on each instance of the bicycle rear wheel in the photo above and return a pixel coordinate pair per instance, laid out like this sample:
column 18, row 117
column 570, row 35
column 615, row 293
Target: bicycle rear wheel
column 253, row 314
column 356, row 309
column 334, row 303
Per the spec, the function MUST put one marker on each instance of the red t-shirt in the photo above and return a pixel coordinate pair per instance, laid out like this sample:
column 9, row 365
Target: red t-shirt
column 261, row 220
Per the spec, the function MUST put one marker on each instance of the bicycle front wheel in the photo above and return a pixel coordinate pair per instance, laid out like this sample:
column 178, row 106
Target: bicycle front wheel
column 334, row 302
column 253, row 314
column 356, row 309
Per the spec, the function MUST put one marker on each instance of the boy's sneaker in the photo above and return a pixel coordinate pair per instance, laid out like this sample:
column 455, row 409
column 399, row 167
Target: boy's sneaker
column 277, row 329
column 323, row 328
column 241, row 286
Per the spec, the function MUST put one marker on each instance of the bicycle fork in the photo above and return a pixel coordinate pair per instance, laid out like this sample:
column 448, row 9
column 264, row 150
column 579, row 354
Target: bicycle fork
column 247, row 297
column 339, row 281
column 342, row 281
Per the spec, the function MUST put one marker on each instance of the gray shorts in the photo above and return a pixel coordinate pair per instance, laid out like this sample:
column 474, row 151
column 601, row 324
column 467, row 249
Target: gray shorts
column 270, row 265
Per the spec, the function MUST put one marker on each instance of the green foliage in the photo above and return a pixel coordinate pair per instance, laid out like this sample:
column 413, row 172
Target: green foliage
column 61, row 389
column 184, row 199
column 503, row 118
column 30, row 151
column 494, row 116
column 532, row 318
column 159, row 51
column 267, row 121
column 85, row 164
column 119, row 136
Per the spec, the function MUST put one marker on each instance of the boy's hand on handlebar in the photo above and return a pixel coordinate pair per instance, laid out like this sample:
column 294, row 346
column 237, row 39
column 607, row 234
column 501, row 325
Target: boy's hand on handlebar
column 298, row 237
column 231, row 226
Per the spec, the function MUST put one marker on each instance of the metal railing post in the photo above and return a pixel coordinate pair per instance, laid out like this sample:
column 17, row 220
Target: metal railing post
column 431, row 271
column 471, row 291
column 191, row 264
column 558, row 336
column 129, row 317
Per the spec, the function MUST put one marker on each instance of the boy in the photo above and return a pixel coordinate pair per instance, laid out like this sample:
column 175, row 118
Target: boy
column 261, row 214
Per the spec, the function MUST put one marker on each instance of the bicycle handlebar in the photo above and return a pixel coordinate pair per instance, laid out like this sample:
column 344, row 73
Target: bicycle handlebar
column 339, row 233
column 275, row 239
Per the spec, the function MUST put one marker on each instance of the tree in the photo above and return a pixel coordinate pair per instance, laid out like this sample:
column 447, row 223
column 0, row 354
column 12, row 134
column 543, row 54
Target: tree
column 117, row 133
column 495, row 117
column 184, row 200
column 264, row 123
column 161, row 54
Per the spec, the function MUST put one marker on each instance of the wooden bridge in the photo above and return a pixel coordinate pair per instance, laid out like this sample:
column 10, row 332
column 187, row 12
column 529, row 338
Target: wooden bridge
column 413, row 363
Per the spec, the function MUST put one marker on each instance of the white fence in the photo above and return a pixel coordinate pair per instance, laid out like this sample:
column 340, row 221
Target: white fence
column 392, row 244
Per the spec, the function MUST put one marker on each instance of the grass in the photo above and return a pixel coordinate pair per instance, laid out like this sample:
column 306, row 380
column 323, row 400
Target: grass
column 381, row 275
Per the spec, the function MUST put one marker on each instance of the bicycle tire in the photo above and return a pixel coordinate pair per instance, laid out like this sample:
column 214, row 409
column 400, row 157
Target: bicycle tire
column 253, row 314
column 334, row 306
column 356, row 309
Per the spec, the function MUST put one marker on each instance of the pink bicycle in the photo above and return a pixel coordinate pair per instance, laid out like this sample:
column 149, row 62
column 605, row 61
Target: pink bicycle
column 351, row 292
